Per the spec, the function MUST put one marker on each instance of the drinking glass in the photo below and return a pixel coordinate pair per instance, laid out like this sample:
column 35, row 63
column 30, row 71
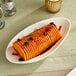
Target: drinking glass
column 2, row 22
column 8, row 7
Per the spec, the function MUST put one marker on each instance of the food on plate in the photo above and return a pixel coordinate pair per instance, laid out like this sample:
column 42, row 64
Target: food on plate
column 60, row 28
column 36, row 42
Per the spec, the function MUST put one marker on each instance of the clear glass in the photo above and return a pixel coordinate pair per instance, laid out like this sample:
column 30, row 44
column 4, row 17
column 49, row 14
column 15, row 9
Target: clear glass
column 2, row 22
column 8, row 7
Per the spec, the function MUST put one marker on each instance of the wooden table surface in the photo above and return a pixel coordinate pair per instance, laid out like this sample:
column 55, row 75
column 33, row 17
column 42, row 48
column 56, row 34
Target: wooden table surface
column 51, row 73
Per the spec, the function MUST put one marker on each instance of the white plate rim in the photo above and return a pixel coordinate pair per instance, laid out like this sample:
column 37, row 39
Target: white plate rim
column 46, row 55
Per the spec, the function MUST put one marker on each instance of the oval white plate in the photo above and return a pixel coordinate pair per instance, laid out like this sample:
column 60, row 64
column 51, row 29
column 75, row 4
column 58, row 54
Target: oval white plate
column 58, row 21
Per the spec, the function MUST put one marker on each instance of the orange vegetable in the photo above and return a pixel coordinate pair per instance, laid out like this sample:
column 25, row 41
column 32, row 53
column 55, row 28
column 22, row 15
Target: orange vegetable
column 36, row 42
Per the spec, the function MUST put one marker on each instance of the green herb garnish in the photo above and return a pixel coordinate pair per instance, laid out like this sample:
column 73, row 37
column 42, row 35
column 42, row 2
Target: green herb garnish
column 26, row 43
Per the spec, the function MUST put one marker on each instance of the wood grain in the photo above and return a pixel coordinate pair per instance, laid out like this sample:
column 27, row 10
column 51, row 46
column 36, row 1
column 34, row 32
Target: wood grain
column 51, row 73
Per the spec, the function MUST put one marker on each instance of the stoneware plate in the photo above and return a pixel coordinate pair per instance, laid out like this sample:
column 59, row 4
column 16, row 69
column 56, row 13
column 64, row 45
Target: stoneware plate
column 66, row 25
